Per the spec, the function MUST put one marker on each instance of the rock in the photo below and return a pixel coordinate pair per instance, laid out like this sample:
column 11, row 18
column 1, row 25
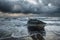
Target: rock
column 35, row 22
column 36, row 26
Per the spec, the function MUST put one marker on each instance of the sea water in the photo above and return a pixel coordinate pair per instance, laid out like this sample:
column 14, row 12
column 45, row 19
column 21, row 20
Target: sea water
column 17, row 27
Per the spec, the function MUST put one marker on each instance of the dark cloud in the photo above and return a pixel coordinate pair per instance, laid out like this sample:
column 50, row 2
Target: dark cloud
column 29, row 6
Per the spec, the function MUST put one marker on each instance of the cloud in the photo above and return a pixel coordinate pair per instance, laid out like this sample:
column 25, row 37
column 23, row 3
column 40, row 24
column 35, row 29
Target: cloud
column 29, row 6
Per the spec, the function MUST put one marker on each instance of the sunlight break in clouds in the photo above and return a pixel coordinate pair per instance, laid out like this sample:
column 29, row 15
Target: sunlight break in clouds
column 49, row 4
column 32, row 1
column 41, row 2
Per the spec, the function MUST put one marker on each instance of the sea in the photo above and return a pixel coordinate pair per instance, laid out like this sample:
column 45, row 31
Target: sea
column 17, row 27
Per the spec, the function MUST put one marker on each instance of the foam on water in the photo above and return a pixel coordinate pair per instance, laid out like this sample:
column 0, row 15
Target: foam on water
column 18, row 26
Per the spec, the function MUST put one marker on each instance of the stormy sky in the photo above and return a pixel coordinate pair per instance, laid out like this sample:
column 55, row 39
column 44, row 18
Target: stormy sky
column 30, row 6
